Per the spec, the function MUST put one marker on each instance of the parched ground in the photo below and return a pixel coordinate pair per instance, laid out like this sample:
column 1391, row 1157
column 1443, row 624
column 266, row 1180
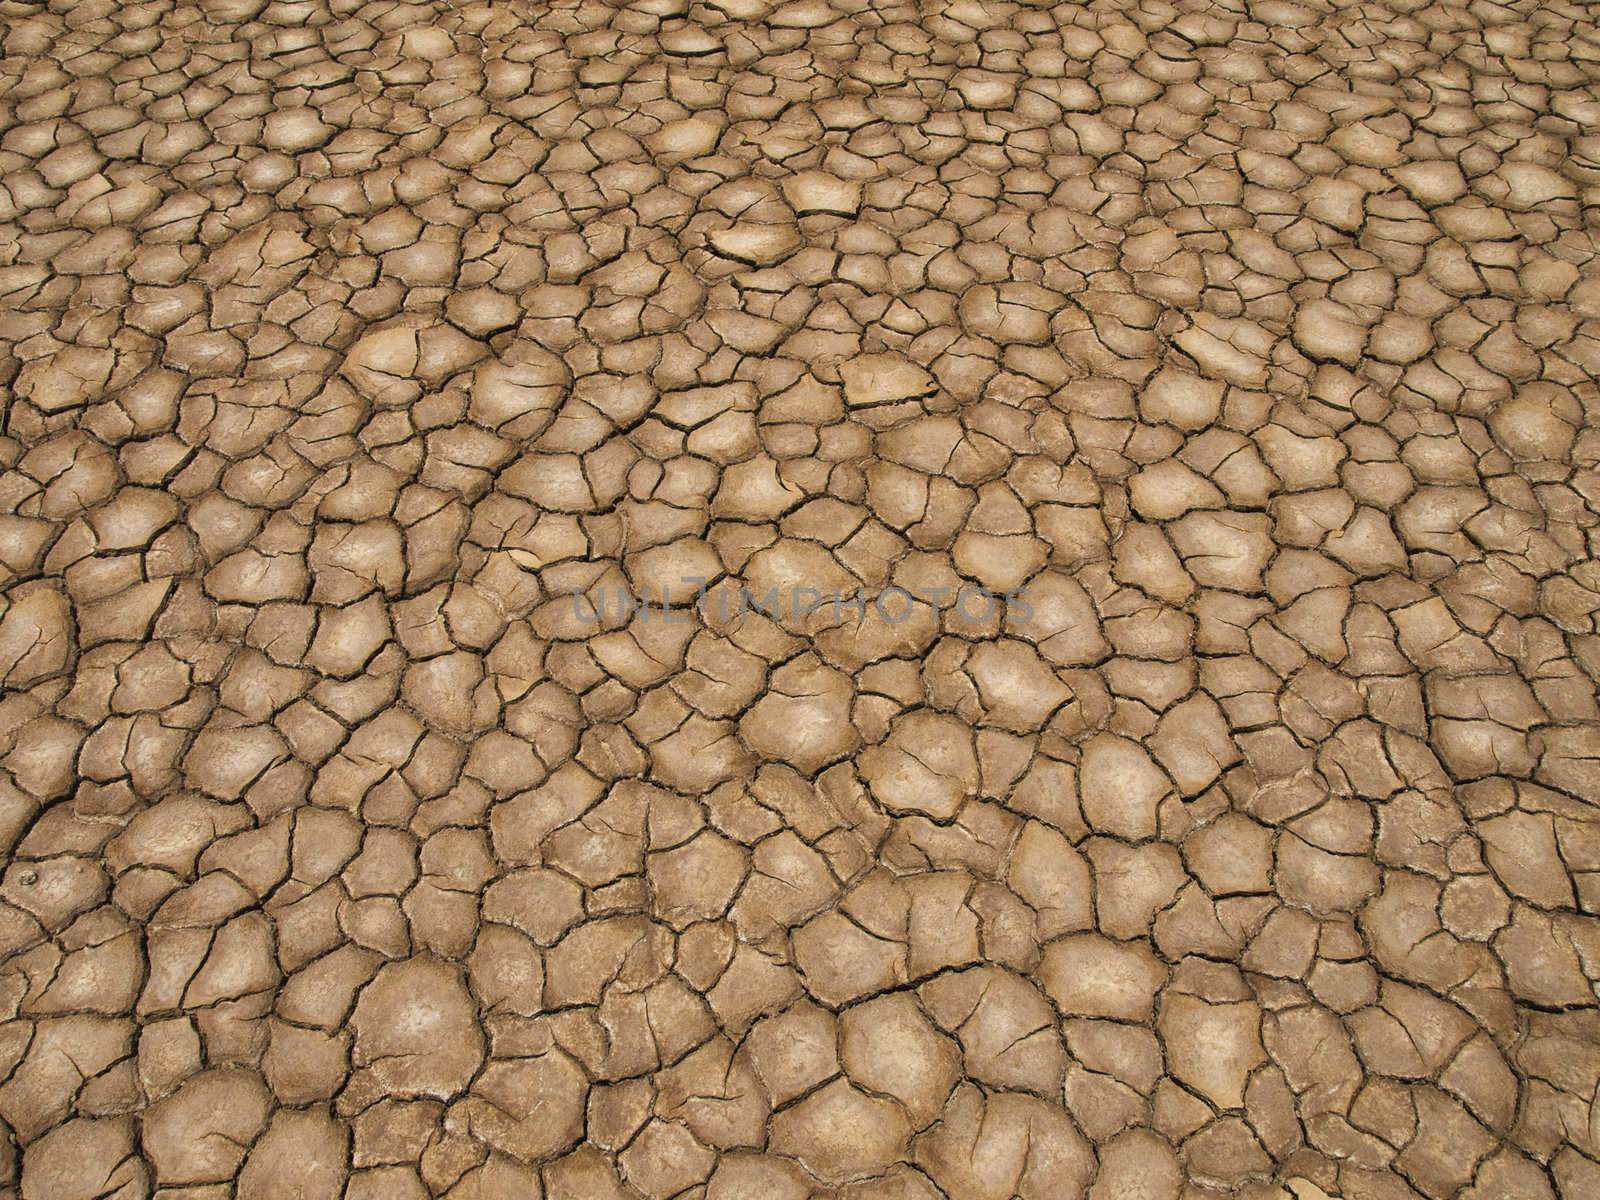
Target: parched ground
column 352, row 356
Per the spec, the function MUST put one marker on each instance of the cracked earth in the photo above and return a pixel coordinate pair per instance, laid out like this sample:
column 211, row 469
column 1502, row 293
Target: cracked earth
column 353, row 355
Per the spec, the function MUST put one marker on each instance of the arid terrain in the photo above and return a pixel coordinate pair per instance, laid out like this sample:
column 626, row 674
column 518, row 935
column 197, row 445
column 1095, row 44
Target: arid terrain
column 737, row 600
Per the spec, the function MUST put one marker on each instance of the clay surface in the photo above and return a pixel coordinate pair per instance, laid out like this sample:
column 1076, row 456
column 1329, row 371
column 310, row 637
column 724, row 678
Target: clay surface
column 799, row 600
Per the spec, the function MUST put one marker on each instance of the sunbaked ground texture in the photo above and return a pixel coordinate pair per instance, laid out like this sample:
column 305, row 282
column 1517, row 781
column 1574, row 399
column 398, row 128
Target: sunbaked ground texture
column 354, row 355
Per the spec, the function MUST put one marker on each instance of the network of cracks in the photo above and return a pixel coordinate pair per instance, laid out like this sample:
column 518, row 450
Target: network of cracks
column 1183, row 785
